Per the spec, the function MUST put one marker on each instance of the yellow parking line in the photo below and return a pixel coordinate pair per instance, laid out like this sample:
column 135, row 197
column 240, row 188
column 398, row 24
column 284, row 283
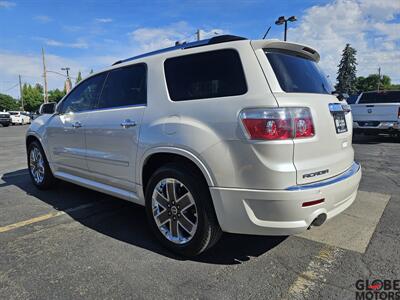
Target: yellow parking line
column 320, row 265
column 43, row 218
column 31, row 221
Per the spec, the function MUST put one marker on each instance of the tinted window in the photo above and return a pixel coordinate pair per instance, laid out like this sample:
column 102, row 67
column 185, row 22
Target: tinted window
column 297, row 74
column 380, row 97
column 125, row 86
column 205, row 75
column 85, row 95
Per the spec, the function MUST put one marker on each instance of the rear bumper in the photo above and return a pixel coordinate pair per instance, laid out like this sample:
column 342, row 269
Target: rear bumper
column 280, row 212
column 383, row 126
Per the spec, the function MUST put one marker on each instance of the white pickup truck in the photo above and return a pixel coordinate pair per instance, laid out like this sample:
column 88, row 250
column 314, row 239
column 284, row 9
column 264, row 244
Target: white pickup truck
column 377, row 112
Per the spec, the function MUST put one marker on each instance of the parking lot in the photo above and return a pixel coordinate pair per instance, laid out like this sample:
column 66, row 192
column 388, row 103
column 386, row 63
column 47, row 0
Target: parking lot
column 74, row 243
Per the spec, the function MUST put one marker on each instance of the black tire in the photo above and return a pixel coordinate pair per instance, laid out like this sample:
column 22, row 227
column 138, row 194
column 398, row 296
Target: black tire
column 48, row 178
column 6, row 124
column 208, row 230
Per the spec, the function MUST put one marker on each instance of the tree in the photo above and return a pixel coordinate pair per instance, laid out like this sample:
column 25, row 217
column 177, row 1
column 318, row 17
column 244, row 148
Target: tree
column 370, row 83
column 56, row 95
column 33, row 96
column 8, row 103
column 346, row 78
column 78, row 78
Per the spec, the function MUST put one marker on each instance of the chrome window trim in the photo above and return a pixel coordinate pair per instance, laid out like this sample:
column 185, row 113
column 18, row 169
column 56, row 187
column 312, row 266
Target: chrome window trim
column 109, row 108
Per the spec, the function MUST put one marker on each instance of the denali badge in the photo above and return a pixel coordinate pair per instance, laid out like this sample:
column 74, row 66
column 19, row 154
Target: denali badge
column 319, row 173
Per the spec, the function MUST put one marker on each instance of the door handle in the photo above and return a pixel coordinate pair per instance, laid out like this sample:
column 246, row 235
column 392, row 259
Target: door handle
column 128, row 123
column 77, row 125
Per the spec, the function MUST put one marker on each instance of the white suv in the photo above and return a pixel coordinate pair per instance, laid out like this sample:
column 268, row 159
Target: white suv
column 220, row 135
column 19, row 117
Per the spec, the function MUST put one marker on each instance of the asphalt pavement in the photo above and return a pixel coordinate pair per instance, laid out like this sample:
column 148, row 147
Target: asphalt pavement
column 74, row 243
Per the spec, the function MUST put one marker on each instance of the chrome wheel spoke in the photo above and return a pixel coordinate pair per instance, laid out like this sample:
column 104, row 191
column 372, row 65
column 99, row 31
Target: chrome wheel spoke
column 163, row 217
column 171, row 190
column 186, row 224
column 162, row 200
column 174, row 228
column 184, row 202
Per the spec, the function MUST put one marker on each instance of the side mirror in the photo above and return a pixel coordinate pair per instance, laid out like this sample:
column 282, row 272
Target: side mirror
column 47, row 108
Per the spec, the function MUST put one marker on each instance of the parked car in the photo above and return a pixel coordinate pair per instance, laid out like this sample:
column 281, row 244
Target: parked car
column 377, row 112
column 18, row 117
column 32, row 115
column 5, row 119
column 220, row 135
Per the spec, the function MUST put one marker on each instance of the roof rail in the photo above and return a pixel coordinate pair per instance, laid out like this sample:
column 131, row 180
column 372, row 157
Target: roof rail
column 214, row 40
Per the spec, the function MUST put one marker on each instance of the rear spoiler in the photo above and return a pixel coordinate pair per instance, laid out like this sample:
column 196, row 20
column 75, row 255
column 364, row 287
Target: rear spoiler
column 303, row 50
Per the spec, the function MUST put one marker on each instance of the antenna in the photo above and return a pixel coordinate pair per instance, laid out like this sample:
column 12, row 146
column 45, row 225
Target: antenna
column 265, row 35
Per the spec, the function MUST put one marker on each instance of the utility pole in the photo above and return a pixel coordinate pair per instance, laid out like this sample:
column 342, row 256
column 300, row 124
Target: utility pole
column 379, row 77
column 198, row 34
column 21, row 98
column 45, row 97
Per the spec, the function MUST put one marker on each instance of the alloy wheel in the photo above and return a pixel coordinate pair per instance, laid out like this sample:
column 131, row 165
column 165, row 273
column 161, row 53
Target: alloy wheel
column 36, row 165
column 174, row 210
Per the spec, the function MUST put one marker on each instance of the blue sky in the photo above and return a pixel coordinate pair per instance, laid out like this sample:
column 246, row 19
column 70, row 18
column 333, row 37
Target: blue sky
column 93, row 34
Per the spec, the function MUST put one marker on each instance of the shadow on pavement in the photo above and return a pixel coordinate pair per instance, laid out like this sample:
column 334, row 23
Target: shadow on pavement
column 374, row 139
column 127, row 222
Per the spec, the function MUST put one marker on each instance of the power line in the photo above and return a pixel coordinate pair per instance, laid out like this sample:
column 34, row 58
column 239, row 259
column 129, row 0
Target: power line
column 14, row 86
column 49, row 71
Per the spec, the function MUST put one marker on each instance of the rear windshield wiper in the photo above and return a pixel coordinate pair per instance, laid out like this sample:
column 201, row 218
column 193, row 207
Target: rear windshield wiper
column 340, row 96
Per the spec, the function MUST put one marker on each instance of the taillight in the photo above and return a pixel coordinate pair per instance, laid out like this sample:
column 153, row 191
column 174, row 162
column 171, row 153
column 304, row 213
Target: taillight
column 398, row 114
column 277, row 123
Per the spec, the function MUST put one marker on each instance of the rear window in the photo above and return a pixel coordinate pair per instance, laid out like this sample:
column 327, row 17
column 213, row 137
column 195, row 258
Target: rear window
column 380, row 97
column 124, row 87
column 297, row 74
column 205, row 75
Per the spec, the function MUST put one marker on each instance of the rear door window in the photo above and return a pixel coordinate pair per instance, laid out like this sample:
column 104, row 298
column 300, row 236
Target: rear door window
column 205, row 75
column 297, row 74
column 380, row 97
column 125, row 86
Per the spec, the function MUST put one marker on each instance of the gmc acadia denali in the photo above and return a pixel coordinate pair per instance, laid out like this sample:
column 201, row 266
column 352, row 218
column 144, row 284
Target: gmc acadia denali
column 219, row 135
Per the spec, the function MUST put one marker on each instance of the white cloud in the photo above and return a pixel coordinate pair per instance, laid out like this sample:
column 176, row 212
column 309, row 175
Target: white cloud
column 363, row 24
column 7, row 4
column 153, row 38
column 42, row 19
column 29, row 66
column 72, row 28
column 382, row 9
column 103, row 20
column 78, row 44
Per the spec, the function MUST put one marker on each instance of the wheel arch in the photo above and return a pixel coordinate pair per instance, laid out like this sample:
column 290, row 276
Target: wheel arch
column 169, row 154
column 30, row 137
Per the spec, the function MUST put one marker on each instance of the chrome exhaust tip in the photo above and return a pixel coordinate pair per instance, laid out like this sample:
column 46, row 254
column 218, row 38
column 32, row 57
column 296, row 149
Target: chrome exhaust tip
column 318, row 221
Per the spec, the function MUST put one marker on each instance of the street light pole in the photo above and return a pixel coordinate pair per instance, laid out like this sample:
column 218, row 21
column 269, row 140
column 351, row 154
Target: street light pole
column 282, row 20
column 284, row 38
column 67, row 70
